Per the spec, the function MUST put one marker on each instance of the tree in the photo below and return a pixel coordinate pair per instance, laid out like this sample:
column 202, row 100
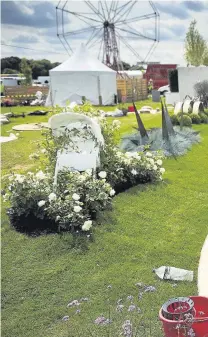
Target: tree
column 195, row 46
column 126, row 66
column 205, row 60
column 27, row 71
column 10, row 71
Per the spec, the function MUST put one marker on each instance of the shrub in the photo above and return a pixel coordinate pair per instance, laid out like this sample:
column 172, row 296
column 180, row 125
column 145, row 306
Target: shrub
column 77, row 197
column 174, row 119
column 186, row 121
column 203, row 117
column 195, row 119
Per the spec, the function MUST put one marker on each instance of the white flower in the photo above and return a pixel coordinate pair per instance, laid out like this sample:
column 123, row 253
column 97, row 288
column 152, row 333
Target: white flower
column 58, row 218
column 43, row 151
column 102, row 174
column 162, row 170
column 130, row 154
column 82, row 178
column 148, row 166
column 134, row 172
column 20, row 178
column 159, row 162
column 89, row 172
column 148, row 154
column 112, row 192
column 151, row 161
column 77, row 209
column 75, row 196
column 41, row 203
column 87, row 225
column 116, row 124
column 155, row 167
column 138, row 157
column 52, row 197
column 40, row 175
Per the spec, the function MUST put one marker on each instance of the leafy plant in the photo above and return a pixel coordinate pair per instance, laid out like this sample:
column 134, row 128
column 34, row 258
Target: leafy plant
column 186, row 120
column 174, row 120
column 195, row 118
column 203, row 117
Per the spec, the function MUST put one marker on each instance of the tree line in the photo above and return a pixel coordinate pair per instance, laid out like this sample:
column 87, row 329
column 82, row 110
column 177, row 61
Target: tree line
column 15, row 65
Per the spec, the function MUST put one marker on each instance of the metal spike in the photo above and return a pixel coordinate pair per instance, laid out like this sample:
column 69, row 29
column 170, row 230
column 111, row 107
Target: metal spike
column 141, row 128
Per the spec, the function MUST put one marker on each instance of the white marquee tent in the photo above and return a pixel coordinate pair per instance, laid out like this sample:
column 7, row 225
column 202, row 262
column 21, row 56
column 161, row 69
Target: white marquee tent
column 82, row 75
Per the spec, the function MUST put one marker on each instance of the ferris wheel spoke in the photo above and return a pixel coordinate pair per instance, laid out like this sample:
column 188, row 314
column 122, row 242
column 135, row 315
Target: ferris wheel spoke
column 92, row 36
column 122, row 39
column 137, row 18
column 104, row 14
column 136, row 34
column 121, row 8
column 116, row 7
column 101, row 45
column 80, row 31
column 126, row 13
column 95, row 38
column 81, row 15
column 107, row 9
column 94, row 9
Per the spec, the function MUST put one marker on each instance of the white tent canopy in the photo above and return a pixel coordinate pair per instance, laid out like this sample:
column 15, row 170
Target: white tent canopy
column 82, row 75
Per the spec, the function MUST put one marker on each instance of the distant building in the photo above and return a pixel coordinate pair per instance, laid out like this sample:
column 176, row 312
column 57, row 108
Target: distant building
column 12, row 80
column 157, row 74
column 44, row 80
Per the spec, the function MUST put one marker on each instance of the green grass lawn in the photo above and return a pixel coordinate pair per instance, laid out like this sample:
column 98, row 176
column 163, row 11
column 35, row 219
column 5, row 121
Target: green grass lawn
column 149, row 226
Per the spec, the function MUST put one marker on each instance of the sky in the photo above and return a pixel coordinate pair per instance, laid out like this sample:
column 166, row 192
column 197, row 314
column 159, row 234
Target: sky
column 32, row 25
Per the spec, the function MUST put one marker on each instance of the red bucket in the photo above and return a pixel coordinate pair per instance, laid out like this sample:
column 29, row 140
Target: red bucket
column 197, row 328
column 131, row 108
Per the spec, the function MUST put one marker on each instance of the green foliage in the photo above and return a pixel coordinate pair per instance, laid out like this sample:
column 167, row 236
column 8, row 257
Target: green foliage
column 203, row 117
column 48, row 271
column 195, row 46
column 11, row 65
column 174, row 120
column 195, row 118
column 185, row 120
column 26, row 71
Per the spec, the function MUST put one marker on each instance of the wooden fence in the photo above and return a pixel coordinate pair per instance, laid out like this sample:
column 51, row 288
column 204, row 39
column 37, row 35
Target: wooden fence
column 132, row 89
column 23, row 91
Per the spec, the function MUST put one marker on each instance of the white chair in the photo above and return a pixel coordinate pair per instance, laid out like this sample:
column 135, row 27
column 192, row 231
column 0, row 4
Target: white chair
column 84, row 152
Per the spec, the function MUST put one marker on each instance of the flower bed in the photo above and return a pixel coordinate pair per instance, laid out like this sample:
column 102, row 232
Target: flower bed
column 76, row 199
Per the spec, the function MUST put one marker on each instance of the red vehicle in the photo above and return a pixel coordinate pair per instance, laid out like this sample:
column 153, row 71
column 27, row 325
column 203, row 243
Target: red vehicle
column 158, row 73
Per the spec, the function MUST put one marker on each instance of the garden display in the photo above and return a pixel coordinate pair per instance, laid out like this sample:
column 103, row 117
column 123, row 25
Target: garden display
column 172, row 141
column 73, row 200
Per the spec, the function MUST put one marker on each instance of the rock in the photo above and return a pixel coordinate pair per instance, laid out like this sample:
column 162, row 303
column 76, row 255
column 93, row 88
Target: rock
column 4, row 120
column 8, row 114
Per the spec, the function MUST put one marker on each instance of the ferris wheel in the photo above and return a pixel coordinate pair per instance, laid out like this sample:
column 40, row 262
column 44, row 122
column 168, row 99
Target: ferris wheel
column 112, row 28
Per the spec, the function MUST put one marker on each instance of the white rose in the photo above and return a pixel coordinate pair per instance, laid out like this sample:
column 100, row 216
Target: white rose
column 130, row 154
column 148, row 166
column 75, row 196
column 112, row 192
column 40, row 175
column 138, row 157
column 159, row 162
column 116, row 123
column 77, row 209
column 134, row 172
column 151, row 161
column 82, row 178
column 52, row 197
column 102, row 174
column 148, row 154
column 87, row 225
column 41, row 203
column 162, row 170
column 155, row 167
column 20, row 178
column 89, row 172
